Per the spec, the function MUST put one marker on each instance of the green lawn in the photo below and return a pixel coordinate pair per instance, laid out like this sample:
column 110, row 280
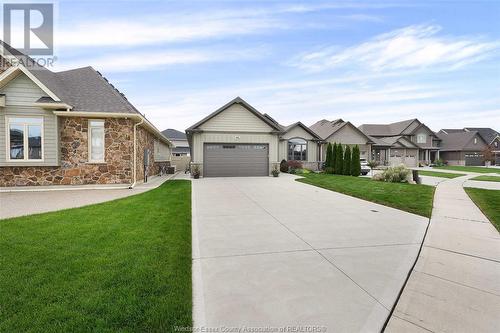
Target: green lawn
column 487, row 201
column 439, row 174
column 487, row 178
column 470, row 169
column 123, row 265
column 412, row 198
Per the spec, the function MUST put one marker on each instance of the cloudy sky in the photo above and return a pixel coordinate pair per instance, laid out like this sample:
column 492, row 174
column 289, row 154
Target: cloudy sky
column 367, row 62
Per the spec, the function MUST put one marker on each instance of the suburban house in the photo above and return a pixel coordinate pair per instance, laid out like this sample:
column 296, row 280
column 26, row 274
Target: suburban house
column 408, row 142
column 489, row 135
column 179, row 140
column 462, row 147
column 343, row 132
column 238, row 140
column 71, row 127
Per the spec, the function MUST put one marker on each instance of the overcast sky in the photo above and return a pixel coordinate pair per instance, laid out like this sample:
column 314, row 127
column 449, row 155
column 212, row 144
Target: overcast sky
column 367, row 62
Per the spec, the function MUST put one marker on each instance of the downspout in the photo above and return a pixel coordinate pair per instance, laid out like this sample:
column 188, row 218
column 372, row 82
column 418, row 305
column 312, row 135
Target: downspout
column 135, row 153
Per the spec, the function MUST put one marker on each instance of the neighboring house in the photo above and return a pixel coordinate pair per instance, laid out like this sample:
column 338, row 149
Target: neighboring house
column 179, row 140
column 409, row 142
column 343, row 132
column 71, row 127
column 238, row 140
column 466, row 146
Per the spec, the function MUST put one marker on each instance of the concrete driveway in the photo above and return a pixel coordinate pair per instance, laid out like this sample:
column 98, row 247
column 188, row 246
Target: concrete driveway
column 273, row 252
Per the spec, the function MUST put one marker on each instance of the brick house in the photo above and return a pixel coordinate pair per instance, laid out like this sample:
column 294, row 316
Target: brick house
column 71, row 128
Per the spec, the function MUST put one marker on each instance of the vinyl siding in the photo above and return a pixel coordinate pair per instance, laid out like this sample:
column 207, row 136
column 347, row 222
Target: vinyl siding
column 298, row 132
column 162, row 151
column 21, row 93
column 236, row 118
column 347, row 135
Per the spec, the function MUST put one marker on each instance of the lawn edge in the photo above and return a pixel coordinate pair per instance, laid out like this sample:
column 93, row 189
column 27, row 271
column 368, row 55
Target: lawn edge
column 377, row 202
column 472, row 189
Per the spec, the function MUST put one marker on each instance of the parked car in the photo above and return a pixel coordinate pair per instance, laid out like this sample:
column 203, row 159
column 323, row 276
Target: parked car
column 364, row 167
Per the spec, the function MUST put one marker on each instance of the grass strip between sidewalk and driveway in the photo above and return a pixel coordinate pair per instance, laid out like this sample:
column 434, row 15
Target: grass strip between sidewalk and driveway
column 488, row 201
column 469, row 169
column 439, row 174
column 487, row 178
column 412, row 198
column 123, row 265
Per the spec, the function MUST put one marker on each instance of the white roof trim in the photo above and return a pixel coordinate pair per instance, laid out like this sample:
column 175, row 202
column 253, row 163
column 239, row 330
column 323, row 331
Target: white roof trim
column 12, row 70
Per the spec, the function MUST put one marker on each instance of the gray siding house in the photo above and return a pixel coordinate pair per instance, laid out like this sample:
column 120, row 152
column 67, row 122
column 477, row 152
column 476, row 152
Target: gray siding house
column 71, row 128
column 343, row 132
column 462, row 147
column 238, row 140
column 409, row 142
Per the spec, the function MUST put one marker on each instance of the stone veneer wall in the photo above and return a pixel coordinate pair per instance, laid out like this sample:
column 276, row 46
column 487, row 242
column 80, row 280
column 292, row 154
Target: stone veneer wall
column 145, row 140
column 74, row 168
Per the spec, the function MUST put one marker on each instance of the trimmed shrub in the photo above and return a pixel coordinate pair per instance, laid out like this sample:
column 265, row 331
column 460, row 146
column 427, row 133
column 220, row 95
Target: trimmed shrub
column 346, row 169
column 329, row 170
column 339, row 160
column 334, row 156
column 283, row 166
column 293, row 165
column 328, row 160
column 397, row 174
column 439, row 163
column 355, row 162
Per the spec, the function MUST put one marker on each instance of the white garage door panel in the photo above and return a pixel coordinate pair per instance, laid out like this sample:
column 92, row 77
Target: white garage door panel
column 235, row 160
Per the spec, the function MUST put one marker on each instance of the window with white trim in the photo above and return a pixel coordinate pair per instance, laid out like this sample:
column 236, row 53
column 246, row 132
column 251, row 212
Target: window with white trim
column 297, row 149
column 421, row 138
column 25, row 138
column 96, row 141
column 475, row 141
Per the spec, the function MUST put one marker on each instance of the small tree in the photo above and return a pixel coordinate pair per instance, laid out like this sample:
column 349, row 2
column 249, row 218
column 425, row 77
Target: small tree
column 328, row 160
column 339, row 160
column 355, row 162
column 488, row 154
column 347, row 161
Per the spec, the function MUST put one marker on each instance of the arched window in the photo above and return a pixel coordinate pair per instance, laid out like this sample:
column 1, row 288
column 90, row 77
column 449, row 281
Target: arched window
column 297, row 149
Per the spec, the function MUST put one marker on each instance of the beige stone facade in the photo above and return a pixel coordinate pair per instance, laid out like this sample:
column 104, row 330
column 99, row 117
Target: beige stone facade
column 74, row 168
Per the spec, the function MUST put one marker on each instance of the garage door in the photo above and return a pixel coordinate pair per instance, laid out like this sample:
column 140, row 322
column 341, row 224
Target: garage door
column 473, row 159
column 235, row 160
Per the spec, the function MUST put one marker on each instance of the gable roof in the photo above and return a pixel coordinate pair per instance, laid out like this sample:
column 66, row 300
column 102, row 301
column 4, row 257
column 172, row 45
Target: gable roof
column 174, row 134
column 391, row 129
column 487, row 134
column 390, row 141
column 326, row 128
column 238, row 100
column 456, row 141
column 84, row 89
column 304, row 127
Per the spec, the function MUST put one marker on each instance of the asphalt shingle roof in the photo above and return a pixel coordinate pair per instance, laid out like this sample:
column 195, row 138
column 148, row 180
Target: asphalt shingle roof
column 488, row 134
column 174, row 134
column 455, row 140
column 84, row 88
column 324, row 128
column 386, row 129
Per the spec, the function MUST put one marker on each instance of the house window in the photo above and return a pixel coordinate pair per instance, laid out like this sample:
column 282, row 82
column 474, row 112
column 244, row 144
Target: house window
column 25, row 139
column 475, row 141
column 421, row 138
column 96, row 141
column 297, row 149
column 496, row 144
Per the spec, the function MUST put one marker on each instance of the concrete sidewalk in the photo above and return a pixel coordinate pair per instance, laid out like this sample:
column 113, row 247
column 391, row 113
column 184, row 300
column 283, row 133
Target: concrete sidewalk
column 47, row 199
column 455, row 284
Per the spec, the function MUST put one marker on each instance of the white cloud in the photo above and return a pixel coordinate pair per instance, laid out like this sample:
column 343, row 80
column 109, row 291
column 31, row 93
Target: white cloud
column 160, row 59
column 157, row 30
column 413, row 47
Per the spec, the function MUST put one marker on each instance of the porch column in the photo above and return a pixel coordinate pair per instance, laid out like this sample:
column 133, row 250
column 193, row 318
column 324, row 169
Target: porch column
column 427, row 159
column 437, row 155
